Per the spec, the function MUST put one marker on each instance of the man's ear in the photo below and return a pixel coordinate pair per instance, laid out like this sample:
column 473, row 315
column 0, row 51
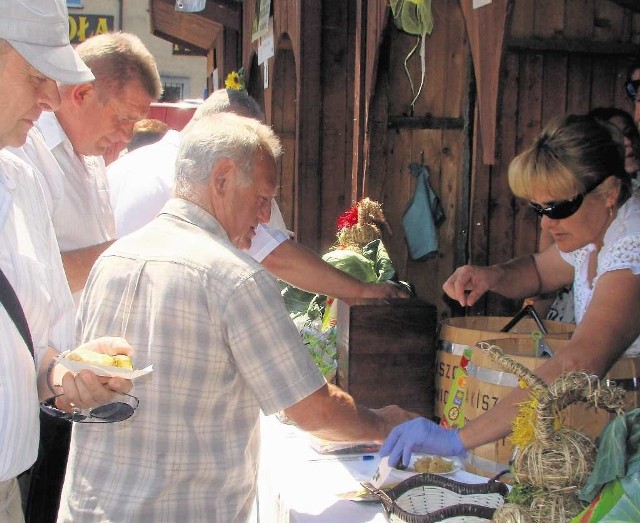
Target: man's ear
column 82, row 92
column 222, row 177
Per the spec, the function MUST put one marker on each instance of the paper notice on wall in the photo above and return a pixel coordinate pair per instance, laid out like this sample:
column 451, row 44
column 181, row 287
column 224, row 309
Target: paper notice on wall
column 260, row 22
column 480, row 3
column 266, row 49
column 215, row 83
column 265, row 74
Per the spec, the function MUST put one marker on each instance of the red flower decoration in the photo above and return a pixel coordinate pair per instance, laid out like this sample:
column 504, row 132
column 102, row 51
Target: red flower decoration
column 349, row 218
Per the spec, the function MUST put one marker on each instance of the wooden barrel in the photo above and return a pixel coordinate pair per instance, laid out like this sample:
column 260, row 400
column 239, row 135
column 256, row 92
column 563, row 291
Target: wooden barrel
column 456, row 334
column 488, row 383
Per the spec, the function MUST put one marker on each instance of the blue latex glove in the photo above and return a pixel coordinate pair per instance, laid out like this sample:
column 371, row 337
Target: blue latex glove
column 420, row 435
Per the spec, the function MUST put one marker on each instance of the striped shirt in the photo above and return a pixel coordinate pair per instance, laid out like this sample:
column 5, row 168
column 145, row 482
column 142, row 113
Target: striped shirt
column 212, row 323
column 30, row 259
column 75, row 186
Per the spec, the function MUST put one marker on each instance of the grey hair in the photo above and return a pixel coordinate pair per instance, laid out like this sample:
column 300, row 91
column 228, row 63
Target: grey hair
column 117, row 59
column 227, row 101
column 224, row 135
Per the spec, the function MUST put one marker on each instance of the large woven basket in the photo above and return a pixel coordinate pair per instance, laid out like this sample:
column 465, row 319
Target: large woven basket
column 428, row 498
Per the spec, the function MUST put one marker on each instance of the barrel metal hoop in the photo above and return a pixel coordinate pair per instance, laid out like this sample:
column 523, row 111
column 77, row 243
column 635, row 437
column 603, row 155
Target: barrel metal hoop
column 457, row 349
column 495, row 377
column 628, row 384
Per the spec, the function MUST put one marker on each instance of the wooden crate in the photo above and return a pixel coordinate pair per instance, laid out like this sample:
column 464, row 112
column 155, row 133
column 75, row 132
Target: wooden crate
column 386, row 352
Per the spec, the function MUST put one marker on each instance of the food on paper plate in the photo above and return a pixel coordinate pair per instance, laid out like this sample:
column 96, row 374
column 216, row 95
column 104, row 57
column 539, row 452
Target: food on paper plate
column 97, row 358
column 433, row 465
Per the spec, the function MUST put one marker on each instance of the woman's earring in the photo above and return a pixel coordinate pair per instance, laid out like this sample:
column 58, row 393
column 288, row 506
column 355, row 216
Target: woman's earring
column 611, row 211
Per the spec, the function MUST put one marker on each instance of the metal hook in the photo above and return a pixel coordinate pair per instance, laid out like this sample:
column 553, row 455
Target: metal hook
column 422, row 157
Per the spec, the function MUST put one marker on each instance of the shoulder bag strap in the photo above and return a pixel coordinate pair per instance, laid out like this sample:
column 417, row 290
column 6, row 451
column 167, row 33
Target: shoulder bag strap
column 12, row 305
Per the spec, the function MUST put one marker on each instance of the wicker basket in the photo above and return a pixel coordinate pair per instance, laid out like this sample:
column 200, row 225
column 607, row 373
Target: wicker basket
column 428, row 498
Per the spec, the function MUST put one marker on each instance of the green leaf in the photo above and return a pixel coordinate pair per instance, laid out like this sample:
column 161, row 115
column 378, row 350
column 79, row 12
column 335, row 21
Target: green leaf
column 383, row 266
column 352, row 263
column 627, row 507
column 618, row 451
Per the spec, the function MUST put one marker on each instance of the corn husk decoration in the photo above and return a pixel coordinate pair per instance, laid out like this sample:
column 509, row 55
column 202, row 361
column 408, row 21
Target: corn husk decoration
column 359, row 225
column 551, row 461
column 414, row 17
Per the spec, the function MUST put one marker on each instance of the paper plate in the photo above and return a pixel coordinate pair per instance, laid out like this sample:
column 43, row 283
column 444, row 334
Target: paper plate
column 387, row 475
column 102, row 370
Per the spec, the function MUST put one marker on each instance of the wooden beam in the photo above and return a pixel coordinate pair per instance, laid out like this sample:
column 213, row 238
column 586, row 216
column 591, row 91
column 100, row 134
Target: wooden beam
column 198, row 51
column 572, row 45
column 633, row 5
column 426, row 122
column 486, row 27
column 359, row 100
column 307, row 216
column 226, row 13
column 195, row 29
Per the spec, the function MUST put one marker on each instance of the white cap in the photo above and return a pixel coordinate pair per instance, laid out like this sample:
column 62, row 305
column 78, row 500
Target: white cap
column 39, row 31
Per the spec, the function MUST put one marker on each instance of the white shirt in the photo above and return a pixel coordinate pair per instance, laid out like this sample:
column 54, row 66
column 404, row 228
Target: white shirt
column 75, row 186
column 30, row 259
column 620, row 250
column 141, row 182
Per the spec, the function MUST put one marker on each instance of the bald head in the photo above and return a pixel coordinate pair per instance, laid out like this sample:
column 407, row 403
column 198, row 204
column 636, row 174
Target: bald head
column 227, row 101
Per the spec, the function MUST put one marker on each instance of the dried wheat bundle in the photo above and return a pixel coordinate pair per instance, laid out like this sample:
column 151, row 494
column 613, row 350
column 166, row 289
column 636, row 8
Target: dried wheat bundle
column 512, row 513
column 365, row 230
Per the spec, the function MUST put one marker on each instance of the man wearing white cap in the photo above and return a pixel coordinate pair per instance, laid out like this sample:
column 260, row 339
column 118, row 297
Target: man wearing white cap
column 36, row 315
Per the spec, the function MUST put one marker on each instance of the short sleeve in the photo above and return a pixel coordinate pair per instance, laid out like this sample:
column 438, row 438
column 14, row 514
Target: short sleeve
column 575, row 258
column 624, row 254
column 265, row 241
column 266, row 347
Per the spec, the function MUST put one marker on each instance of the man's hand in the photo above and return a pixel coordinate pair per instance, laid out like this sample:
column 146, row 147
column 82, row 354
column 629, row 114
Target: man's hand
column 86, row 390
column 383, row 290
column 420, row 435
column 393, row 415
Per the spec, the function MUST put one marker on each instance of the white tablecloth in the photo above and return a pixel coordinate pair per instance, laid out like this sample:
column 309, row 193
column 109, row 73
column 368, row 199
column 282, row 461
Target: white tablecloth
column 296, row 485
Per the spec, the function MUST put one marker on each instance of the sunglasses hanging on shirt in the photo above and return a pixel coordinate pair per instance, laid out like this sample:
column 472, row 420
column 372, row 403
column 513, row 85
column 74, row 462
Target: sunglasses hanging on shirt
column 109, row 413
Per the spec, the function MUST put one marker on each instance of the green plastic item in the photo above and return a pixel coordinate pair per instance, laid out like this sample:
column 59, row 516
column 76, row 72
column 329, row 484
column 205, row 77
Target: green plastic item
column 613, row 488
column 415, row 18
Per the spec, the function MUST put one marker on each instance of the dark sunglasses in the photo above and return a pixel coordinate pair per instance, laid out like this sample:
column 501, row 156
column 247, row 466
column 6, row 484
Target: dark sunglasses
column 109, row 413
column 565, row 208
column 632, row 86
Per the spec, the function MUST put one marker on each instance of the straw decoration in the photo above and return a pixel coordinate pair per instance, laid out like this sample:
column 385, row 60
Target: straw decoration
column 550, row 457
column 366, row 230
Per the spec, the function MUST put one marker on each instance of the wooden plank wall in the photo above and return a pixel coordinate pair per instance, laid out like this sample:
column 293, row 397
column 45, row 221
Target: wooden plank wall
column 562, row 57
column 433, row 132
column 337, row 73
column 298, row 93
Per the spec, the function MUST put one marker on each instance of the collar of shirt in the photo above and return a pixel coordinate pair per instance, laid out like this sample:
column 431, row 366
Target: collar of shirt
column 51, row 130
column 172, row 137
column 7, row 186
column 191, row 213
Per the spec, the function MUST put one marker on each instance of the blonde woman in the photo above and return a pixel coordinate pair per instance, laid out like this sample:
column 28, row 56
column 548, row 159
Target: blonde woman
column 573, row 177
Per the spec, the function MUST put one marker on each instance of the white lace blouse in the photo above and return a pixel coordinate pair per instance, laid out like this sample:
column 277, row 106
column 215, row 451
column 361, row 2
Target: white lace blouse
column 621, row 250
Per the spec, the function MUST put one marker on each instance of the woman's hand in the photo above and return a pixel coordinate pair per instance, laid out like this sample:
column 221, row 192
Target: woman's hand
column 420, row 435
column 469, row 282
